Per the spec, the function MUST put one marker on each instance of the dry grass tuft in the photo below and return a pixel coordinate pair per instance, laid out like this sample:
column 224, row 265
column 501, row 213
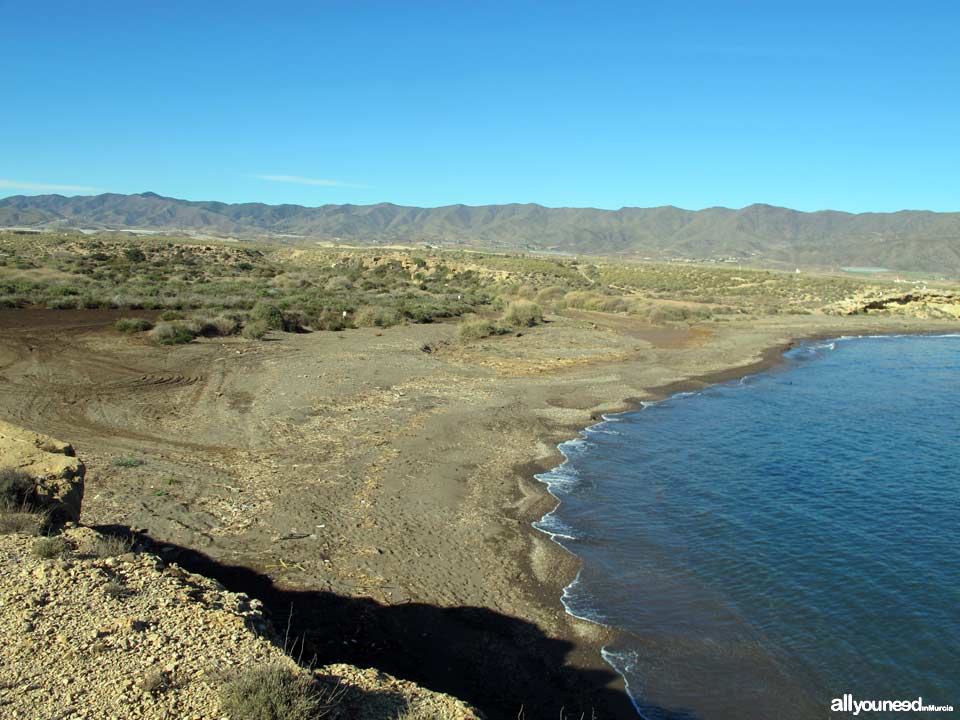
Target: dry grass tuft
column 49, row 548
column 523, row 313
column 275, row 692
column 22, row 522
column 110, row 546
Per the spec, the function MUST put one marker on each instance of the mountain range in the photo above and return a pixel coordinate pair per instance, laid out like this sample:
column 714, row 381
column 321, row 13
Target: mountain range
column 909, row 240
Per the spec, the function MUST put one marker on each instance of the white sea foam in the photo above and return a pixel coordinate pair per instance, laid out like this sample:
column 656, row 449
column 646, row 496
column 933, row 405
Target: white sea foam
column 624, row 662
column 551, row 525
column 588, row 614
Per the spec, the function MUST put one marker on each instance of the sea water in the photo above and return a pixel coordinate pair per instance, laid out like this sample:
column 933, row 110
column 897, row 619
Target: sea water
column 769, row 545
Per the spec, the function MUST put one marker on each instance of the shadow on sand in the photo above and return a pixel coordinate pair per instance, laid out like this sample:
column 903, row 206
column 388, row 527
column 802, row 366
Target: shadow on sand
column 506, row 667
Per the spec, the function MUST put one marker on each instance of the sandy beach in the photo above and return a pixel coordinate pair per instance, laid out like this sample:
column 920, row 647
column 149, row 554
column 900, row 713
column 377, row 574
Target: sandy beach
column 376, row 487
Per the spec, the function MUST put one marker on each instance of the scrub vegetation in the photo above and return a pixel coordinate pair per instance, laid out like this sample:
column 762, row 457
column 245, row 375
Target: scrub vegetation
column 179, row 289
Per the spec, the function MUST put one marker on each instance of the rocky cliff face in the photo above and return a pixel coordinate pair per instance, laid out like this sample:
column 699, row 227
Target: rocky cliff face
column 56, row 471
column 93, row 627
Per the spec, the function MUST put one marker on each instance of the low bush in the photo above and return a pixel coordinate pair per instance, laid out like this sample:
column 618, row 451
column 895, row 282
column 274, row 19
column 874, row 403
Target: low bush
column 128, row 462
column 274, row 692
column 110, row 546
column 551, row 295
column 63, row 303
column 49, row 547
column 523, row 313
column 338, row 282
column 172, row 333
column 170, row 315
column 376, row 316
column 133, row 325
column 478, row 329
column 255, row 329
column 328, row 319
column 219, row 326
column 268, row 314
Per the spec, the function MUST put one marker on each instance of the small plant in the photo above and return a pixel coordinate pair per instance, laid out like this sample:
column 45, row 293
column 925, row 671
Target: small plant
column 134, row 254
column 523, row 313
column 172, row 333
column 128, row 462
column 269, row 314
column 170, row 315
column 275, row 692
column 16, row 489
column 255, row 329
column 329, row 319
column 49, row 548
column 479, row 329
column 132, row 325
column 213, row 327
column 338, row 282
column 374, row 316
column 111, row 546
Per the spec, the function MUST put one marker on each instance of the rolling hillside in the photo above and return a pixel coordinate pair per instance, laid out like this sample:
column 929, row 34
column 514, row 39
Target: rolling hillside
column 904, row 241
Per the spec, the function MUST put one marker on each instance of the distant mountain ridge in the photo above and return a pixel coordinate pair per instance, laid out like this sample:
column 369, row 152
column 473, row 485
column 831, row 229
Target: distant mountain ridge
column 908, row 240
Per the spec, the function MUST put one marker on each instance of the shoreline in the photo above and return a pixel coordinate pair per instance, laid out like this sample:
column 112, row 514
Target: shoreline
column 565, row 564
column 381, row 495
column 568, row 564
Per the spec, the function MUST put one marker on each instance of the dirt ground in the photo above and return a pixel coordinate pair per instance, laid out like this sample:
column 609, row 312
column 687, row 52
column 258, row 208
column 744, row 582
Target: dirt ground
column 377, row 485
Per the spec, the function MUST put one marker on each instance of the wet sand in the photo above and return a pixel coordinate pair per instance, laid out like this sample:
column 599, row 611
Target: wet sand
column 378, row 486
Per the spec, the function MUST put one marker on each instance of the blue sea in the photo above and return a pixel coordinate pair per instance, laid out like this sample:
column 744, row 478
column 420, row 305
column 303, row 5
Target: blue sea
column 767, row 545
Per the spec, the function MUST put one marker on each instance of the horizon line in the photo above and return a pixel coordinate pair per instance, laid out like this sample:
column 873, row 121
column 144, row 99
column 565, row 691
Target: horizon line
column 149, row 193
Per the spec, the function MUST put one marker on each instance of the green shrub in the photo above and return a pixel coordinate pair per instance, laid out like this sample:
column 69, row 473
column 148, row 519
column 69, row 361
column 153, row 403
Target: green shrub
column 169, row 315
column 49, row 547
column 219, row 326
column 172, row 333
column 134, row 254
column 63, row 303
column 133, row 325
column 377, row 316
column 338, row 282
column 269, row 314
column 479, row 328
column 523, row 313
column 666, row 313
column 328, row 319
column 274, row 692
column 128, row 462
column 255, row 329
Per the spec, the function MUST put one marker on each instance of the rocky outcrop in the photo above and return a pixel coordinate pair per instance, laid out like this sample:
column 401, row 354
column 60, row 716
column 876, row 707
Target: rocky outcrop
column 93, row 627
column 57, row 472
column 923, row 304
column 87, row 634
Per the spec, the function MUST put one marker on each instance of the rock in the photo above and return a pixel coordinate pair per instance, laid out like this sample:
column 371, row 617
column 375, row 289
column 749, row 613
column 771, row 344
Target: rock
column 56, row 470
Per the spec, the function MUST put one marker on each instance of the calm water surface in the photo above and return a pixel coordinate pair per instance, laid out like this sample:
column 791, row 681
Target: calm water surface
column 768, row 545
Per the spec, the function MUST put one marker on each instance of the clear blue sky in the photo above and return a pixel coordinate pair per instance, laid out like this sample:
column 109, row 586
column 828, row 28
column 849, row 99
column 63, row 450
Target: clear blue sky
column 846, row 105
